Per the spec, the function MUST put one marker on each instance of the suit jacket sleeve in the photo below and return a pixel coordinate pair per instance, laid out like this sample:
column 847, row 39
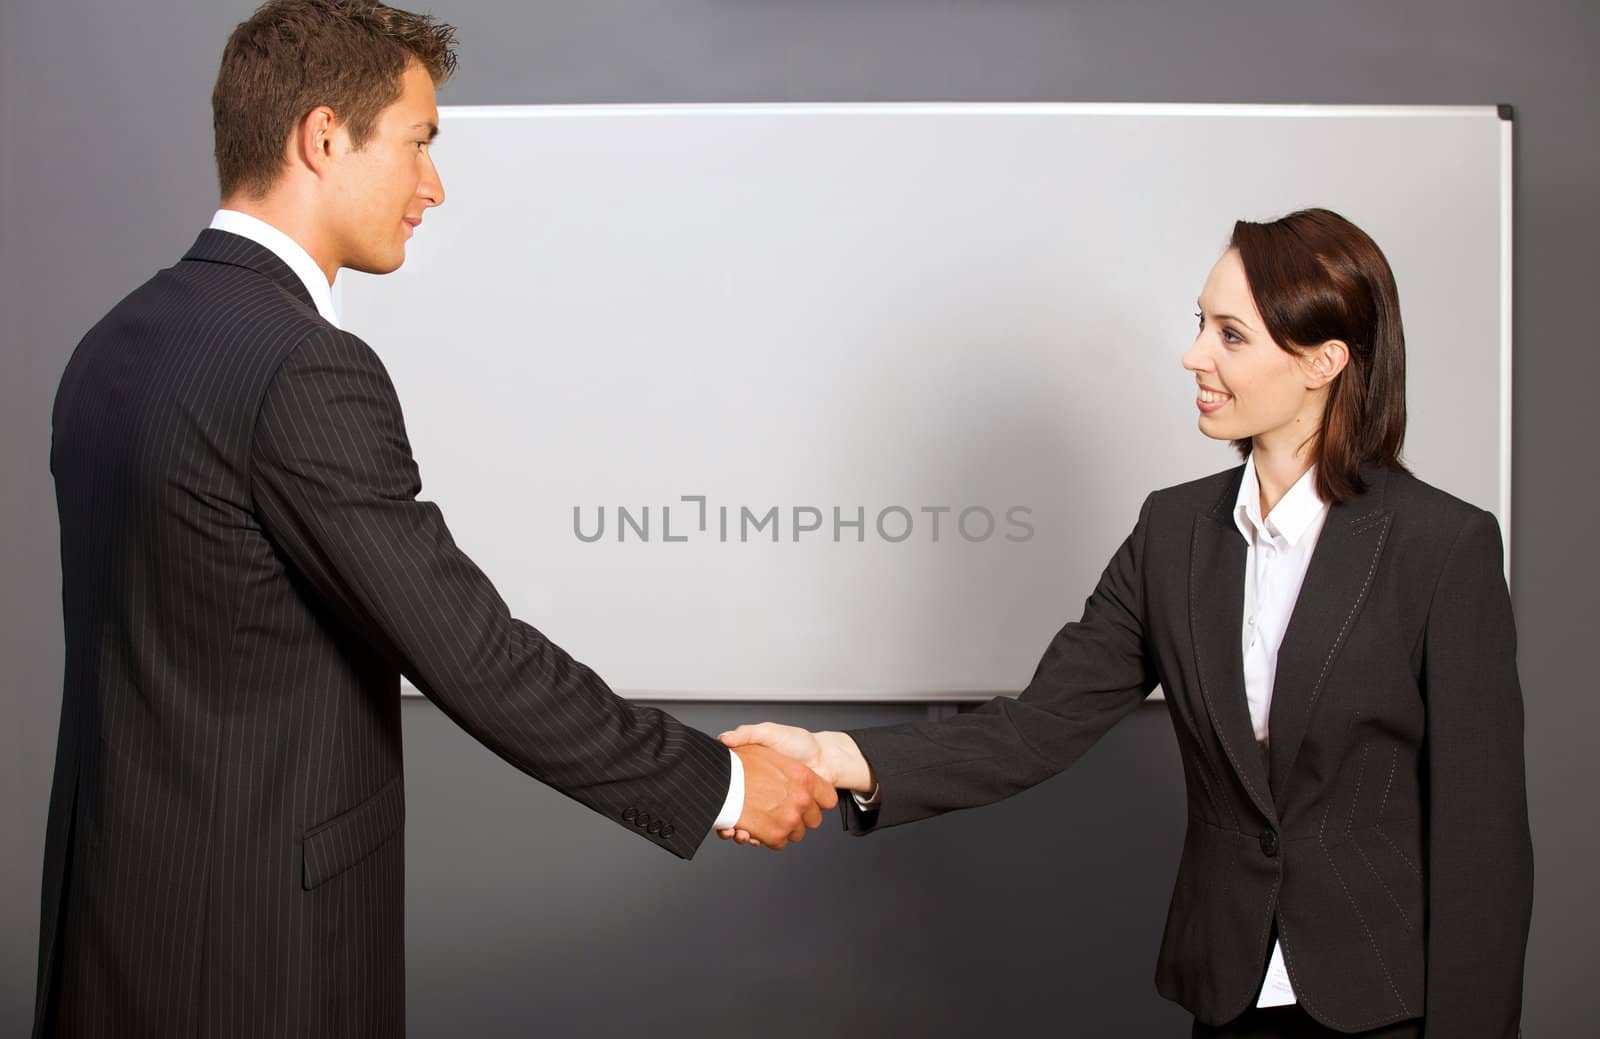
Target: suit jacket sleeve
column 336, row 490
column 1480, row 855
column 1093, row 673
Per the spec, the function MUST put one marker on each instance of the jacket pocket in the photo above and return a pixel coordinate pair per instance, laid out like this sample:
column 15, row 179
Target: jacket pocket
column 331, row 847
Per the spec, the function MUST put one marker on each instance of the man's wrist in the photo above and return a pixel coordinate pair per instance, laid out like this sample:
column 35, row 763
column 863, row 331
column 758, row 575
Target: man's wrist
column 733, row 804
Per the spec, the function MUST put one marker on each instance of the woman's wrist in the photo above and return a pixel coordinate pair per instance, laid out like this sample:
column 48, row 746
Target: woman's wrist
column 845, row 762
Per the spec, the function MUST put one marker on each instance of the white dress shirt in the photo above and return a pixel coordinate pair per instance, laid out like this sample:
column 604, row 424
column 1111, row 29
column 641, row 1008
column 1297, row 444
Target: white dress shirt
column 1278, row 550
column 305, row 268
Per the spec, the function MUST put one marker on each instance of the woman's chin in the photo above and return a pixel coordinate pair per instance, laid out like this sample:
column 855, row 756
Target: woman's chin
column 1216, row 430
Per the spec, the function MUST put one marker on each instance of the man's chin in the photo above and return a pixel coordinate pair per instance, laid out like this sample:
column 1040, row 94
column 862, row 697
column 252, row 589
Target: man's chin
column 377, row 265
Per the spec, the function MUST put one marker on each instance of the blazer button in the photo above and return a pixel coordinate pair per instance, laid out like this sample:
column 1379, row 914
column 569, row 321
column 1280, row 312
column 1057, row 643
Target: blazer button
column 668, row 830
column 654, row 828
column 643, row 819
column 630, row 814
column 1269, row 844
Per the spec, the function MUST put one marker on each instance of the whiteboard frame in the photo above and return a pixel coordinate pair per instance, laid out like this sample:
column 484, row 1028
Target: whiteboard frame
column 1265, row 111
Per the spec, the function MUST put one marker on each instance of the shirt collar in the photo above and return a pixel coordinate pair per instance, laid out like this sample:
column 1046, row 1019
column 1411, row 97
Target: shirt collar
column 1294, row 514
column 286, row 249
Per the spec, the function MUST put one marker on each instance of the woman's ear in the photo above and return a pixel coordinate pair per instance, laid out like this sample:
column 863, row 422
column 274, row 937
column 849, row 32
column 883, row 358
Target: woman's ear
column 1323, row 363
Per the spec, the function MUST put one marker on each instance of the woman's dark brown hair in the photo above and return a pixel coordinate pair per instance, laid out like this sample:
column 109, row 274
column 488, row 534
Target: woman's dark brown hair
column 1316, row 276
column 291, row 56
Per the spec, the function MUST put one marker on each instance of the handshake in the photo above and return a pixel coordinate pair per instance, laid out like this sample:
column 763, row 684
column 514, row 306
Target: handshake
column 790, row 776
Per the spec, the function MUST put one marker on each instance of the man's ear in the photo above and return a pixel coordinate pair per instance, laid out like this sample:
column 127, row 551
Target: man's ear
column 312, row 146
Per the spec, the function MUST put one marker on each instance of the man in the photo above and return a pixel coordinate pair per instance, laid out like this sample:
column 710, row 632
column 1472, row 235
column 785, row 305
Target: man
column 247, row 572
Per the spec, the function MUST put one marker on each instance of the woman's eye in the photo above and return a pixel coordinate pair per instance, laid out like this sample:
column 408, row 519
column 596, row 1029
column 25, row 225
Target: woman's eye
column 1228, row 336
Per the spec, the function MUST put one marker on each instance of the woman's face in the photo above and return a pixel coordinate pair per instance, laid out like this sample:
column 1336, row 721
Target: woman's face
column 1250, row 388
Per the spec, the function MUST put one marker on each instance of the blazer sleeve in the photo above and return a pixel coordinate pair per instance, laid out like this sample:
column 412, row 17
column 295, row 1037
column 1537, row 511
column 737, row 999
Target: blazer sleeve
column 1094, row 671
column 336, row 487
column 1480, row 854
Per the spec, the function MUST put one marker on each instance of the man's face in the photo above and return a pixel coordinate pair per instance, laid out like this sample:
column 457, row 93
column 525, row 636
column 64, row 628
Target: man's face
column 378, row 194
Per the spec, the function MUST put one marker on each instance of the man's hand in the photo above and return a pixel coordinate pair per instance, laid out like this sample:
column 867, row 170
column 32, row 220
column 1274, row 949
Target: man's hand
column 832, row 757
column 782, row 797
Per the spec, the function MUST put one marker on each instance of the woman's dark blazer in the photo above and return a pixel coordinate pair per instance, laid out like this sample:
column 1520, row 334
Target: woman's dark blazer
column 1385, row 834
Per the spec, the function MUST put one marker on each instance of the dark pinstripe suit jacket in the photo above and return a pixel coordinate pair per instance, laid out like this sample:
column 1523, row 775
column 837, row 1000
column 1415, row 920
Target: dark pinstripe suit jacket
column 247, row 572
column 1385, row 834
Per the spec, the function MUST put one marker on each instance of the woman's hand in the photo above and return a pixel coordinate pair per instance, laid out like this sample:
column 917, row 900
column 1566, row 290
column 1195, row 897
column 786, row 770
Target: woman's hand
column 833, row 756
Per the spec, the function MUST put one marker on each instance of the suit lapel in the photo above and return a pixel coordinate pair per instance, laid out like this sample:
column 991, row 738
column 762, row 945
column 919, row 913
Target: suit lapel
column 1336, row 584
column 1216, row 609
column 215, row 246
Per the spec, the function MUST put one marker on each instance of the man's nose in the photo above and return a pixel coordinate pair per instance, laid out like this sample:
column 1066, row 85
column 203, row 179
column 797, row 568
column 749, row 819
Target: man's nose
column 432, row 187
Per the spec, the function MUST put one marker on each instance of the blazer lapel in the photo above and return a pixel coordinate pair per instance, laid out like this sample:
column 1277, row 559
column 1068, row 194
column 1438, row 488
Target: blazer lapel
column 1336, row 584
column 1216, row 609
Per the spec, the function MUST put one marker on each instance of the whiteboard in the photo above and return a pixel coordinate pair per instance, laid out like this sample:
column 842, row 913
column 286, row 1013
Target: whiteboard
column 824, row 402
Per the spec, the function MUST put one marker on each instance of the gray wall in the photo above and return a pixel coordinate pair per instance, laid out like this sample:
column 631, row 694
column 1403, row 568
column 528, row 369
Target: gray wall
column 525, row 911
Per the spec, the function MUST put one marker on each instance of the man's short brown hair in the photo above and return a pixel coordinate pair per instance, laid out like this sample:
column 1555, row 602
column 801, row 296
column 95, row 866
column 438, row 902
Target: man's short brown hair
column 291, row 56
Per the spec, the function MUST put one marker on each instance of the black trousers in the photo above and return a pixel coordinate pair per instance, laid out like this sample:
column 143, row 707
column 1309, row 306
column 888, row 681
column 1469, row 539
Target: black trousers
column 1291, row 1022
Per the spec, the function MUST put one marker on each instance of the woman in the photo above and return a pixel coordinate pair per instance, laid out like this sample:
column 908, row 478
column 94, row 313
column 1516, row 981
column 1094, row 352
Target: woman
column 1335, row 641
